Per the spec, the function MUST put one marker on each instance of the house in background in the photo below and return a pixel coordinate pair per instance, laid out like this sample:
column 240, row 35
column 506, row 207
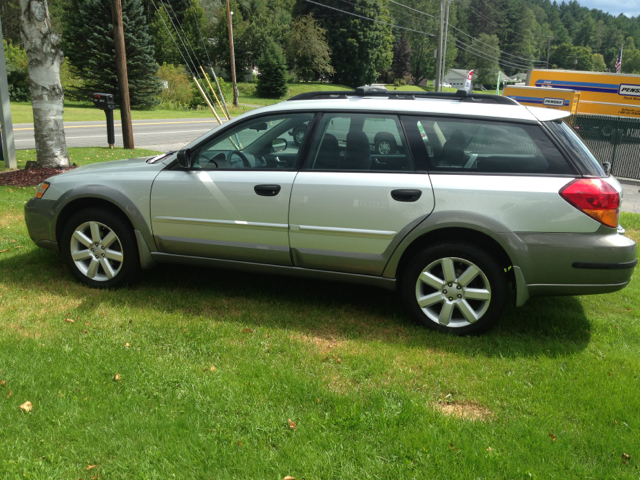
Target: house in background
column 457, row 77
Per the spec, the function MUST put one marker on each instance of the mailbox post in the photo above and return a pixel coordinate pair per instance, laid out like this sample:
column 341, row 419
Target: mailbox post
column 106, row 102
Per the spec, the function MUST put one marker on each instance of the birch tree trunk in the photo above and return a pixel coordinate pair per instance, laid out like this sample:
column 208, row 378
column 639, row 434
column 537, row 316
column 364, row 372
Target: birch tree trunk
column 47, row 97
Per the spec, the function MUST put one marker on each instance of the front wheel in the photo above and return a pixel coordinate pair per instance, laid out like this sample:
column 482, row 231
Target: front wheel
column 100, row 249
column 456, row 288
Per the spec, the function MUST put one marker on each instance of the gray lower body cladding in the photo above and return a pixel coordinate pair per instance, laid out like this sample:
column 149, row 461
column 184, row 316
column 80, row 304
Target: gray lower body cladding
column 575, row 263
column 39, row 216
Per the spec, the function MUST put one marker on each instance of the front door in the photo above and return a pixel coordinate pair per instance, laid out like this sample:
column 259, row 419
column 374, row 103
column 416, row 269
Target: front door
column 234, row 203
column 357, row 196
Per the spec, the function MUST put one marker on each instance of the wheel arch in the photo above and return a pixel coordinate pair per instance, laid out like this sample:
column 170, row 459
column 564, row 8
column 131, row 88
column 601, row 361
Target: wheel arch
column 458, row 226
column 99, row 196
column 451, row 235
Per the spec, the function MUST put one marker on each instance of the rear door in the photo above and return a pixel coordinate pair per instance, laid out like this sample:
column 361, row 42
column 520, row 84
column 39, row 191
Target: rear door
column 351, row 205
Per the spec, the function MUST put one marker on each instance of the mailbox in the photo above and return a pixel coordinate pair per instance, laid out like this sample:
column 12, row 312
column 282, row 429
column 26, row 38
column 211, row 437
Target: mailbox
column 106, row 102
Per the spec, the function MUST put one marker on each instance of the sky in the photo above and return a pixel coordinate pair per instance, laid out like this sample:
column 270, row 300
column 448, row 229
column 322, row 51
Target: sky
column 630, row 8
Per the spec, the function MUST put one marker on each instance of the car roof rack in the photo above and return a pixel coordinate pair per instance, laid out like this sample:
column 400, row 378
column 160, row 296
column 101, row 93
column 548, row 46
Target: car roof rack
column 368, row 91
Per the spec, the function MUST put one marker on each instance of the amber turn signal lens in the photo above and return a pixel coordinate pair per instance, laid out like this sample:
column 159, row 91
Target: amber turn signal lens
column 41, row 189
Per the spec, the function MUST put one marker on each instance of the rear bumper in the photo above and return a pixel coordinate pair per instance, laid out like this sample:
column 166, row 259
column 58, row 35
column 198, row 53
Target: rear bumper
column 576, row 263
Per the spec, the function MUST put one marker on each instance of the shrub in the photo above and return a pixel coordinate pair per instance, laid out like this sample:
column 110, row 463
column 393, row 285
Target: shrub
column 17, row 72
column 178, row 93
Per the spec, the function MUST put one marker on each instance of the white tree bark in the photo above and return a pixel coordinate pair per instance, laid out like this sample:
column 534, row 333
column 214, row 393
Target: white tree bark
column 47, row 97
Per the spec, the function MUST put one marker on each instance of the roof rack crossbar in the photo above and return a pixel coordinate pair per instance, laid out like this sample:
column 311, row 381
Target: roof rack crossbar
column 460, row 95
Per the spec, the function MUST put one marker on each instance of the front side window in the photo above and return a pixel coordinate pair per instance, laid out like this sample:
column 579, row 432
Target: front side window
column 269, row 143
column 467, row 146
column 359, row 142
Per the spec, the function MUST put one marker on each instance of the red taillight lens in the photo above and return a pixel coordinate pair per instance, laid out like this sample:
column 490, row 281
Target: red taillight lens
column 596, row 198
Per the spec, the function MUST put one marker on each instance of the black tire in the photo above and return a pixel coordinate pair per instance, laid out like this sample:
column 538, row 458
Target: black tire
column 385, row 144
column 455, row 294
column 120, row 256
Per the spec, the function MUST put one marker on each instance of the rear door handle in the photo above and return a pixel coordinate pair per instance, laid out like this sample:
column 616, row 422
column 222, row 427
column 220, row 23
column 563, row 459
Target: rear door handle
column 267, row 190
column 406, row 195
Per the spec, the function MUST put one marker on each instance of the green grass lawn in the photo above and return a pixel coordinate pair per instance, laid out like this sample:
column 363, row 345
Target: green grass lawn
column 22, row 112
column 552, row 392
column 84, row 156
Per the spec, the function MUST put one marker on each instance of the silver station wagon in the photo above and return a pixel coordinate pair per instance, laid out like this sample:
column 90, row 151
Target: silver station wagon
column 446, row 198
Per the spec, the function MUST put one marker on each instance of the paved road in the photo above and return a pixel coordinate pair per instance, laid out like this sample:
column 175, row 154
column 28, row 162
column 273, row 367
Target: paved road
column 631, row 197
column 161, row 135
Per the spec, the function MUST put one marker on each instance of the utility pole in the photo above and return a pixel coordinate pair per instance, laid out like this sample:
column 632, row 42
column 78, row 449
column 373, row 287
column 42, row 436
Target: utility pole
column 439, row 57
column 121, row 72
column 548, row 49
column 8, row 145
column 446, row 36
column 233, row 57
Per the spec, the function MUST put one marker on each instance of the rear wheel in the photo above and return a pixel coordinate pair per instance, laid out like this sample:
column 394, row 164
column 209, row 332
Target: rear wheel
column 456, row 288
column 100, row 249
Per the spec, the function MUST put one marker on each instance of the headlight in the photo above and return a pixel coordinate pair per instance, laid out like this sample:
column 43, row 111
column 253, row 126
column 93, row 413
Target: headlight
column 41, row 189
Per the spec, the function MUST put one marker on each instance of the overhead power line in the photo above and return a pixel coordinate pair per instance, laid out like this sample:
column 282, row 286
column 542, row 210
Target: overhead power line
column 371, row 19
column 516, row 57
column 458, row 43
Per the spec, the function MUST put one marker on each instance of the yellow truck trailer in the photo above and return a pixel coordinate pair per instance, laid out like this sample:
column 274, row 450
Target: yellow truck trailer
column 600, row 93
column 558, row 98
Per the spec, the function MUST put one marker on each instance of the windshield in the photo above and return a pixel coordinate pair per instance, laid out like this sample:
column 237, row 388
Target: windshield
column 576, row 146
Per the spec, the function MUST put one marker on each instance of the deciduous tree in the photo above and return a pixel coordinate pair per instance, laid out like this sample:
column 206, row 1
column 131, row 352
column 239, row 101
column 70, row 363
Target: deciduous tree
column 307, row 50
column 47, row 98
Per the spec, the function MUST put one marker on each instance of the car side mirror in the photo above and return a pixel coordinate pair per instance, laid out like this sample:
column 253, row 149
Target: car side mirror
column 184, row 158
column 279, row 145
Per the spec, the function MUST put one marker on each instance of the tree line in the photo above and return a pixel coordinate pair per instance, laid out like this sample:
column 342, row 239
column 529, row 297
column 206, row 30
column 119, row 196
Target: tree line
column 351, row 42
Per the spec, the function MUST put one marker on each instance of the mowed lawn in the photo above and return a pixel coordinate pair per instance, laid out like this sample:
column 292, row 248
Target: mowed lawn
column 212, row 366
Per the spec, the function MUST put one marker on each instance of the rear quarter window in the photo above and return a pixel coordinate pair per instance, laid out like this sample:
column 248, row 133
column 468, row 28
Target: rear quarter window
column 480, row 146
column 574, row 144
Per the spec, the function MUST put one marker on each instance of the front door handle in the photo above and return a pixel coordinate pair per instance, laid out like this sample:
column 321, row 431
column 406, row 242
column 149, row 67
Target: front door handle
column 406, row 195
column 267, row 190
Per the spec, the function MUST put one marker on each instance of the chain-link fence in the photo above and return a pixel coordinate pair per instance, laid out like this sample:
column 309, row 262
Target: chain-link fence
column 612, row 139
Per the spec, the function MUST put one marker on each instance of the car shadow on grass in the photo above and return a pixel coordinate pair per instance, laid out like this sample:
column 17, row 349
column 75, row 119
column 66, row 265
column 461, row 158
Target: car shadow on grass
column 552, row 326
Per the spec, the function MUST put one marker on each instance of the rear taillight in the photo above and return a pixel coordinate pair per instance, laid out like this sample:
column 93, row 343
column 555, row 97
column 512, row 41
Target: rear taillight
column 596, row 198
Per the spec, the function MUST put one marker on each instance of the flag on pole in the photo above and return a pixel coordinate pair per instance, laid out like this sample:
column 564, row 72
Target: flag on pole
column 619, row 61
column 467, row 84
column 498, row 85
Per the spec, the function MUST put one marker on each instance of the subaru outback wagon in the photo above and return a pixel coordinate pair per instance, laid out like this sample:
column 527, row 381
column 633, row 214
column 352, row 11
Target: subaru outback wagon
column 470, row 194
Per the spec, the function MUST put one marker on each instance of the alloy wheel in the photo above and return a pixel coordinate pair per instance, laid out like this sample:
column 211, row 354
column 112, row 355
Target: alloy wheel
column 96, row 251
column 453, row 292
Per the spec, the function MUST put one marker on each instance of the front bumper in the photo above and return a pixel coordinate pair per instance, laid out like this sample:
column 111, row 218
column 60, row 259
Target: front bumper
column 39, row 215
column 576, row 263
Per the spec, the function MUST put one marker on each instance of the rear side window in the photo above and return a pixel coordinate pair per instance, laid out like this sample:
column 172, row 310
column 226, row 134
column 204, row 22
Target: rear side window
column 572, row 142
column 469, row 146
column 359, row 142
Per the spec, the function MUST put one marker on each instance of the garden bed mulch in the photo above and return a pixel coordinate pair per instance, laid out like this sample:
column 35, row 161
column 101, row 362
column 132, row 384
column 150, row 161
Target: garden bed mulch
column 29, row 177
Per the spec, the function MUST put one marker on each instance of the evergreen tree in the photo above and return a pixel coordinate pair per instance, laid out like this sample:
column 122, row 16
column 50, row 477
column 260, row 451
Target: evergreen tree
column 401, row 65
column 88, row 43
column 272, row 79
